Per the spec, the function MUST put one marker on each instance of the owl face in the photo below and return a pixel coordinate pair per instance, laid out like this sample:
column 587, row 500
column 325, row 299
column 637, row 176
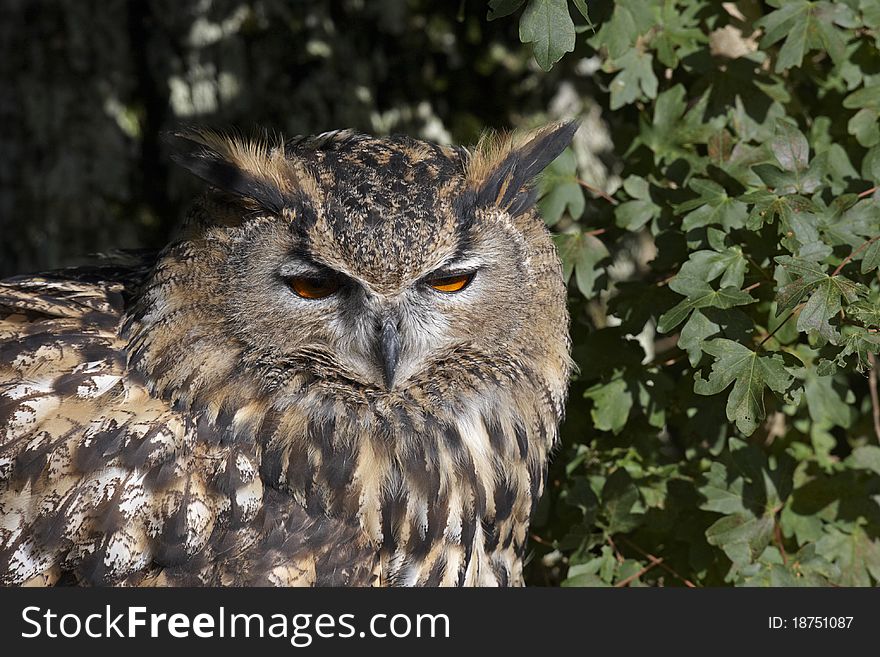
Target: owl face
column 383, row 317
column 370, row 263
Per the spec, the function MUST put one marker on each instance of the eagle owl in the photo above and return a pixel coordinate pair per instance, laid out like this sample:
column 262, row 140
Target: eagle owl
column 347, row 368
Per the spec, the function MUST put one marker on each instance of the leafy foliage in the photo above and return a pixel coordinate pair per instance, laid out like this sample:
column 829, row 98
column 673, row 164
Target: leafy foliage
column 723, row 421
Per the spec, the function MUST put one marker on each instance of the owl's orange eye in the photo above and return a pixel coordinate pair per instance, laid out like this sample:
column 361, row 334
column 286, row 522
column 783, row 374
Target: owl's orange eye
column 313, row 288
column 449, row 284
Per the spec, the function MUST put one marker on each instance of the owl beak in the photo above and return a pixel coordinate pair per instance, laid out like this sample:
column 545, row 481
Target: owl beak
column 389, row 346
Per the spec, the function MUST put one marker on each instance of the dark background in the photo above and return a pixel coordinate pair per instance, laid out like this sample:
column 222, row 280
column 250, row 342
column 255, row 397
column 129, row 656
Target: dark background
column 531, row 621
column 87, row 89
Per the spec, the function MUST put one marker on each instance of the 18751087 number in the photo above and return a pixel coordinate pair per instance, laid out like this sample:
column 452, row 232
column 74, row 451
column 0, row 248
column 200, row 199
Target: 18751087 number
column 810, row 622
column 821, row 622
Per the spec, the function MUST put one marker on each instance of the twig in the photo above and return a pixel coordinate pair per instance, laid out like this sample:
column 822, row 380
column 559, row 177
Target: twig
column 598, row 231
column 753, row 286
column 759, row 268
column 781, row 324
column 617, row 553
column 875, row 398
column 542, row 541
column 777, row 535
column 664, row 281
column 597, row 191
column 853, row 254
column 635, row 576
column 665, row 358
column 650, row 557
column 868, row 192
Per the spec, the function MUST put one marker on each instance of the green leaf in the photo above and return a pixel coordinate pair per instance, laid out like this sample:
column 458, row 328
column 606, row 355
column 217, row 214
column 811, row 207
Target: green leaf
column 547, row 25
column 871, row 257
column 806, row 528
column 679, row 35
column 792, row 51
column 866, row 457
column 824, row 402
column 806, row 275
column 865, row 127
column 611, row 405
column 866, row 311
column 581, row 253
column 595, row 572
column 581, row 6
column 699, row 295
column 636, row 79
column 750, row 374
column 855, row 553
column 778, row 181
column 729, row 263
column 618, row 34
column 790, row 147
column 791, row 182
column 853, row 226
column 802, row 235
column 560, row 190
column 578, row 579
column 723, row 494
column 825, row 303
column 634, row 214
column 827, row 293
column 806, row 25
column 768, row 207
column 502, row 8
column 619, row 496
column 670, row 107
column 695, row 331
column 742, row 536
column 678, row 127
column 871, row 165
column 859, row 342
column 866, row 97
column 722, row 211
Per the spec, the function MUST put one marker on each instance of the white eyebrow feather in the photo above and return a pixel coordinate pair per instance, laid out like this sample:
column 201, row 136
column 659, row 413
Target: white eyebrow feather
column 463, row 264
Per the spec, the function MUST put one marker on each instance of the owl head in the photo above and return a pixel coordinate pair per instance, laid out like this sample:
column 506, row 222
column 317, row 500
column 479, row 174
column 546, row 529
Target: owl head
column 364, row 265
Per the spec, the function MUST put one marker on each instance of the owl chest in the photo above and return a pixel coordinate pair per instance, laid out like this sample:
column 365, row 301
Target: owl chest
column 445, row 502
column 471, row 533
column 480, row 561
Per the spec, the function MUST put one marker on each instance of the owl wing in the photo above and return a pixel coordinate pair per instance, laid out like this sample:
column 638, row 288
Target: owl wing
column 103, row 483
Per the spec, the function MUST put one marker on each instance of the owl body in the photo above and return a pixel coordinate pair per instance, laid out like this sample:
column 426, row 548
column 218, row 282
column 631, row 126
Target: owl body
column 348, row 368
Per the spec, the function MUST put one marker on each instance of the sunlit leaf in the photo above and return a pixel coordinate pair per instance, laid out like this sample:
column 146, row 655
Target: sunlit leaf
column 750, row 373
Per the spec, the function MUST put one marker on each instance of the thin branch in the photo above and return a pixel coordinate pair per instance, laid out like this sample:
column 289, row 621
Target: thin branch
column 597, row 191
column 664, row 281
column 650, row 557
column 665, row 358
column 542, row 541
column 777, row 536
column 875, row 398
column 868, row 192
column 598, row 231
column 624, row 582
column 617, row 553
column 753, row 286
column 853, row 254
column 758, row 267
column 781, row 324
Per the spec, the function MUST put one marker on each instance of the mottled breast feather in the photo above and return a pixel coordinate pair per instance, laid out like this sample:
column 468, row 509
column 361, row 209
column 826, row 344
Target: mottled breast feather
column 101, row 483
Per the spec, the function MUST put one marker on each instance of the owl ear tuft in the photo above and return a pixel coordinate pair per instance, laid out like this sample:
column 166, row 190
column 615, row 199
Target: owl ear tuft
column 502, row 166
column 251, row 169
